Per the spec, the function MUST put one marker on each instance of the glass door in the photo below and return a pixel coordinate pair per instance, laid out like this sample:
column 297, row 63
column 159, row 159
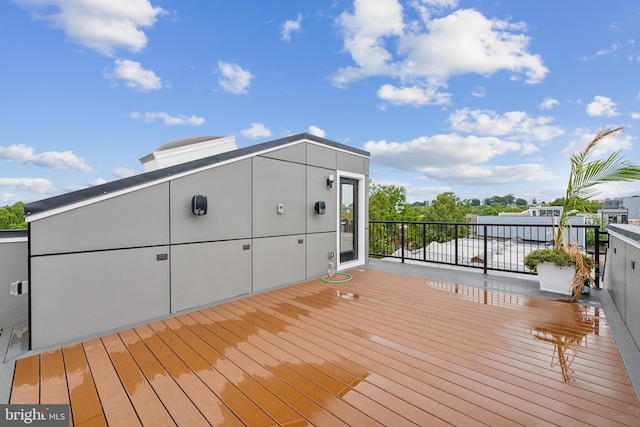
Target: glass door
column 348, row 219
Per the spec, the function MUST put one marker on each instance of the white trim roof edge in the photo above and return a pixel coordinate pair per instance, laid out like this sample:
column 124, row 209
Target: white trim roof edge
column 68, row 201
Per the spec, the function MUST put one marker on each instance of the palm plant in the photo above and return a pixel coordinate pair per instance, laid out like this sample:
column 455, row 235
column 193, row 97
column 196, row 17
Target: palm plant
column 585, row 176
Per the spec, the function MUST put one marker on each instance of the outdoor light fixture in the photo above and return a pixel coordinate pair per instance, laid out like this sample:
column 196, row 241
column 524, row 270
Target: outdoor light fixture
column 330, row 181
column 199, row 205
column 320, row 207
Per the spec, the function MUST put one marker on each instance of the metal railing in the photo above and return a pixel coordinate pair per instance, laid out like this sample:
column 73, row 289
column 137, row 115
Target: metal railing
column 501, row 247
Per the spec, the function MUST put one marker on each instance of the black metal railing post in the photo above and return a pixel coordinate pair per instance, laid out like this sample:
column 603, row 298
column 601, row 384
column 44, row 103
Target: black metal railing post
column 424, row 241
column 455, row 237
column 596, row 255
column 402, row 240
column 485, row 248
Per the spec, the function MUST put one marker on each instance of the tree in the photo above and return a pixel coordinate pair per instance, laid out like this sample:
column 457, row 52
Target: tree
column 446, row 208
column 521, row 202
column 389, row 203
column 12, row 217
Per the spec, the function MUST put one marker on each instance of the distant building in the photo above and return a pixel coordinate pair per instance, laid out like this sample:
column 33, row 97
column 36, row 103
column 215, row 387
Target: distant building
column 615, row 203
column 613, row 216
column 537, row 211
column 633, row 207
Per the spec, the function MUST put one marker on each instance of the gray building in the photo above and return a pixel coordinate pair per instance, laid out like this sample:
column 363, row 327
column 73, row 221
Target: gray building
column 194, row 234
column 632, row 204
column 13, row 268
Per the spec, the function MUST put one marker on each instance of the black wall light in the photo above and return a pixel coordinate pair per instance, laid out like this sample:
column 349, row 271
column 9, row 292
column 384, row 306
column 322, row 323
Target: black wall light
column 330, row 181
column 199, row 205
column 320, row 207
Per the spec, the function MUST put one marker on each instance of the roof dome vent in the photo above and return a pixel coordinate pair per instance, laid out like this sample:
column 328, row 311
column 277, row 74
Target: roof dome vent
column 186, row 150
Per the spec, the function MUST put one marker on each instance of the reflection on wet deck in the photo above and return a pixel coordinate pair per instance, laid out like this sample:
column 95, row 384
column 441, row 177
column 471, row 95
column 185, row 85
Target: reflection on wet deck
column 382, row 349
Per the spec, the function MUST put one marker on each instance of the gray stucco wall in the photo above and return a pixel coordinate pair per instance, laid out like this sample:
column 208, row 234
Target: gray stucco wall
column 103, row 266
column 622, row 274
column 13, row 267
column 136, row 219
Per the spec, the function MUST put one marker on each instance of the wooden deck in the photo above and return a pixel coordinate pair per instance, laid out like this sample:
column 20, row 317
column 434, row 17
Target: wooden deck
column 383, row 349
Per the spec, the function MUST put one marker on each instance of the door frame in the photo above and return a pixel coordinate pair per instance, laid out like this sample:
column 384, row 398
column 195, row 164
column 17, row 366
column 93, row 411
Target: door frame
column 361, row 218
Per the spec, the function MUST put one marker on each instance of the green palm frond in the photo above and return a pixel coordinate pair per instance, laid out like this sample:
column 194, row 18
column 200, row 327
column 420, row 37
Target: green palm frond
column 584, row 178
column 586, row 175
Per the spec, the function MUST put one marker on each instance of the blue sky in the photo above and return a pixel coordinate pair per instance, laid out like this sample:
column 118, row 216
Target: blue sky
column 479, row 98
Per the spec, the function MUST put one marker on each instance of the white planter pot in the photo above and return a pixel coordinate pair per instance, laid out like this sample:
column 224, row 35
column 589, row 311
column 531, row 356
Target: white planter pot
column 555, row 279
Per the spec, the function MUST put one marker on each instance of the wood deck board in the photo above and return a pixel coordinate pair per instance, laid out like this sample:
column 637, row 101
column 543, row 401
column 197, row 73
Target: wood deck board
column 501, row 363
column 292, row 396
column 213, row 409
column 447, row 379
column 118, row 409
column 412, row 387
column 83, row 396
column 383, row 349
column 53, row 378
column 338, row 382
column 262, row 396
column 146, row 402
column 26, row 381
column 510, row 351
column 181, row 408
column 244, row 408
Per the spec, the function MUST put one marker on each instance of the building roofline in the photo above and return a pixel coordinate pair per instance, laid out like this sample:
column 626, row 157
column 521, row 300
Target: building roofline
column 14, row 234
column 121, row 185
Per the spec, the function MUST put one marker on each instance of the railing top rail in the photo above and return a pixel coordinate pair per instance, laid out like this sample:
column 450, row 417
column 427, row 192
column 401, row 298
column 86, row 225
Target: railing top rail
column 480, row 224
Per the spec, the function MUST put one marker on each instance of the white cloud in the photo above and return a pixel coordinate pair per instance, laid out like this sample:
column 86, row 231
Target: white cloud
column 456, row 159
column 381, row 44
column 479, row 92
column 234, row 78
column 363, row 33
column 122, row 172
column 614, row 48
column 515, row 124
column 168, row 119
column 415, row 96
column 425, row 8
column 290, row 27
column 467, row 42
column 134, row 76
column 100, row 25
column 438, row 150
column 488, row 175
column 20, row 153
column 97, row 181
column 605, row 146
column 426, row 193
column 635, row 116
column 602, row 106
column 315, row 130
column 33, row 185
column 257, row 130
column 549, row 103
